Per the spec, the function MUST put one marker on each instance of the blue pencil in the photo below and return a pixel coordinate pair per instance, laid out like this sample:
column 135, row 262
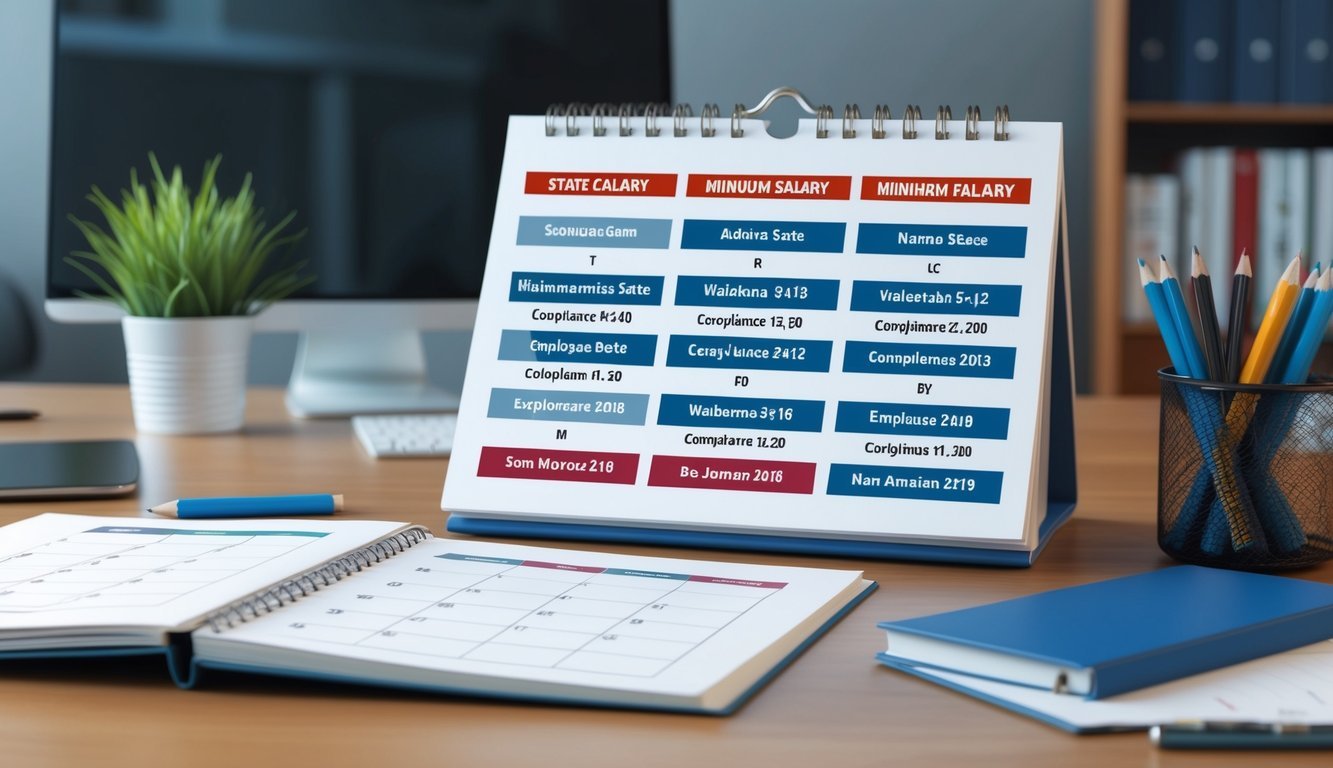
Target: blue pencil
column 1194, row 512
column 252, row 506
column 1303, row 355
column 1295, row 326
column 1152, row 287
column 1180, row 315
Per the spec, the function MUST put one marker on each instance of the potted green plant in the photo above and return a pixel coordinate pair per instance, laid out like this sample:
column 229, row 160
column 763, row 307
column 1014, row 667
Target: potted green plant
column 190, row 270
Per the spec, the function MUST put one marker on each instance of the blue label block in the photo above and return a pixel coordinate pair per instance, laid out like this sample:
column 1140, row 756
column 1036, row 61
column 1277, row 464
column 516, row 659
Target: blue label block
column 728, row 235
column 977, row 487
column 570, row 288
column 942, row 240
column 749, row 354
column 573, row 347
column 594, row 232
column 555, row 405
column 761, row 292
column 933, row 420
column 741, row 413
column 936, row 298
column 929, row 360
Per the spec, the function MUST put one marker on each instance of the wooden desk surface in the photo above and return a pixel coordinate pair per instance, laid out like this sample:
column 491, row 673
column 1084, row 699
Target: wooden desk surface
column 834, row 707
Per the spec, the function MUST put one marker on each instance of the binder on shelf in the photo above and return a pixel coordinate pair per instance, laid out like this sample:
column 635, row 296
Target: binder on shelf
column 1151, row 40
column 1152, row 221
column 1203, row 51
column 1304, row 55
column 854, row 341
column 1274, row 207
column 1255, row 53
column 1219, row 197
column 1245, row 219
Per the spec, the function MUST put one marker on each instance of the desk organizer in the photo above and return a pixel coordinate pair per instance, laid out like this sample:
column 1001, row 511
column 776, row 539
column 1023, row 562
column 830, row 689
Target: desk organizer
column 1245, row 473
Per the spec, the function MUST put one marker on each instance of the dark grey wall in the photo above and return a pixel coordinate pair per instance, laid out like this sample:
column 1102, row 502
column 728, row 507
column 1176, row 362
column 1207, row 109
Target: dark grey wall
column 1034, row 55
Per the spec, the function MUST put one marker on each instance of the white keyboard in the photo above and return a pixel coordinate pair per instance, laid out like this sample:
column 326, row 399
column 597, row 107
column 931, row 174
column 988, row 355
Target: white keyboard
column 406, row 436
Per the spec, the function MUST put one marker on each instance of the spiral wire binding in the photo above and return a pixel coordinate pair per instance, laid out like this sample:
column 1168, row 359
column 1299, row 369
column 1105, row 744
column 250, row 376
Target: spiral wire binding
column 942, row 117
column 599, row 113
column 707, row 117
column 325, row 575
column 850, row 114
column 626, row 112
column 681, row 113
column 910, row 118
column 678, row 115
column 972, row 124
column 650, row 116
column 882, row 115
column 1002, row 123
column 553, row 112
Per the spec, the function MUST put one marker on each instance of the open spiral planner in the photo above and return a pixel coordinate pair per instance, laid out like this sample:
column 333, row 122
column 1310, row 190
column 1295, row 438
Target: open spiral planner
column 386, row 604
column 851, row 341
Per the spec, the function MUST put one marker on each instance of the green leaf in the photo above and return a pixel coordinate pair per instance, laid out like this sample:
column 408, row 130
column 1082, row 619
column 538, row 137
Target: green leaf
column 168, row 252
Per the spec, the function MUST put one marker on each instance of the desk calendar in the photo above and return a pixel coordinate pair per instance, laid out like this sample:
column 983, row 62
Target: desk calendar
column 844, row 342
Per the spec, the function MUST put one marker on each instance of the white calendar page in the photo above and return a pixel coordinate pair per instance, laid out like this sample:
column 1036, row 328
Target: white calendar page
column 520, row 620
column 70, row 572
column 846, row 338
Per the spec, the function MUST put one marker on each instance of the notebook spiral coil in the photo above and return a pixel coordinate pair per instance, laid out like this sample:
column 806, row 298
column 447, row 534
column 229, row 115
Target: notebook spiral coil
column 648, row 118
column 330, row 573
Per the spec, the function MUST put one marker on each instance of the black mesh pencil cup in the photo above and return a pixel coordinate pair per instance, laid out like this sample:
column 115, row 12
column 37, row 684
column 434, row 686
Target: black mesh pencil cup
column 1245, row 473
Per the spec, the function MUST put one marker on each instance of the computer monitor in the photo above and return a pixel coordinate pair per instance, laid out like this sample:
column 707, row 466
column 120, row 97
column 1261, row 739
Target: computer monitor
column 381, row 122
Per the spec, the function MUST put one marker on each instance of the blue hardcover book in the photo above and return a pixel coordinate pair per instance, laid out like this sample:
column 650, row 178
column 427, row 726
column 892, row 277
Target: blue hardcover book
column 1254, row 55
column 1203, row 34
column 1304, row 55
column 1110, row 637
column 1150, row 50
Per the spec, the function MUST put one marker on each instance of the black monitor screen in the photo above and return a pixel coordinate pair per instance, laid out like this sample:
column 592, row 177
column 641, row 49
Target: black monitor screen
column 380, row 122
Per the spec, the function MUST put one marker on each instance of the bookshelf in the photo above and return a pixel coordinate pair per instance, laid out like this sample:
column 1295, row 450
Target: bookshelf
column 1129, row 136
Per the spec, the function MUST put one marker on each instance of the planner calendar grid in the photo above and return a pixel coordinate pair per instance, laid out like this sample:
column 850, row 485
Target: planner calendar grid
column 134, row 567
column 525, row 613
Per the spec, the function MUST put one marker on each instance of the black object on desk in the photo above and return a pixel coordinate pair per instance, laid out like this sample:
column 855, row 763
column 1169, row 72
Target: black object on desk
column 1219, row 735
column 68, row 469
column 18, row 414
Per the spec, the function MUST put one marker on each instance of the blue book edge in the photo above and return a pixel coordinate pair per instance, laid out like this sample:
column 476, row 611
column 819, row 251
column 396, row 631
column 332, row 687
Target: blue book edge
column 1057, row 514
column 197, row 667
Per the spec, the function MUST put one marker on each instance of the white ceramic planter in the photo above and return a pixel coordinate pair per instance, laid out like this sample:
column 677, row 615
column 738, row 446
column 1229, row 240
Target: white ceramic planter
column 187, row 375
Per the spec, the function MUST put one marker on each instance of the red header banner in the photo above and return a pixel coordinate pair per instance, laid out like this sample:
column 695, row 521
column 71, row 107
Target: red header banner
column 946, row 189
column 601, row 184
column 781, row 187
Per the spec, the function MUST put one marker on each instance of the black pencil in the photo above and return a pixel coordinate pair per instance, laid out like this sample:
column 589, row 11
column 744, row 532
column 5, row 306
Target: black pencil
column 1214, row 358
column 1240, row 296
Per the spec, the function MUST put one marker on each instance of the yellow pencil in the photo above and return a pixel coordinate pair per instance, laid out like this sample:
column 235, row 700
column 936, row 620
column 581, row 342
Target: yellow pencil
column 1280, row 304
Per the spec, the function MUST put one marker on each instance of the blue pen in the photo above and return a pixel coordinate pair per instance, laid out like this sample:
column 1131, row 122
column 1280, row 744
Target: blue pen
column 252, row 506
